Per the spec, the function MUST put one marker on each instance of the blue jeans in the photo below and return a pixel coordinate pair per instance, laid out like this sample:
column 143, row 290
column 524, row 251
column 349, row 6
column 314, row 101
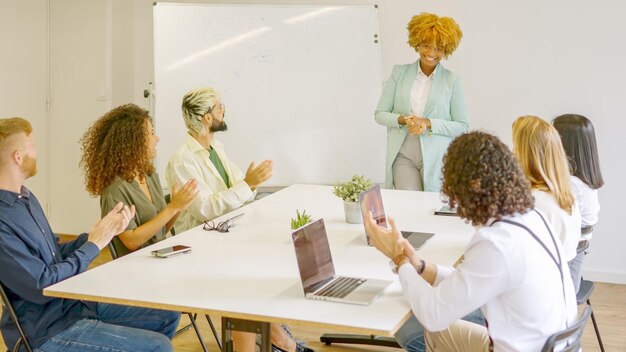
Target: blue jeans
column 575, row 269
column 411, row 334
column 118, row 329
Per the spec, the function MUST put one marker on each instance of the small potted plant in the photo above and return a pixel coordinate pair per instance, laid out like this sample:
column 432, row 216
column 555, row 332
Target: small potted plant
column 300, row 220
column 349, row 191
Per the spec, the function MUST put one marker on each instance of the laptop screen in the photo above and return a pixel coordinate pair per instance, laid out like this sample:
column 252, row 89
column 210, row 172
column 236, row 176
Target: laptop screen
column 372, row 200
column 313, row 254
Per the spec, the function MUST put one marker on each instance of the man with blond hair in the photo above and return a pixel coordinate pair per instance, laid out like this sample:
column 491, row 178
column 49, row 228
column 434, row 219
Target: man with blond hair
column 221, row 184
column 32, row 259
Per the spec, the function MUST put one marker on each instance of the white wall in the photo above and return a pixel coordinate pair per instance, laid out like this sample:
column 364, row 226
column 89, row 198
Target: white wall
column 80, row 91
column 531, row 57
column 24, row 78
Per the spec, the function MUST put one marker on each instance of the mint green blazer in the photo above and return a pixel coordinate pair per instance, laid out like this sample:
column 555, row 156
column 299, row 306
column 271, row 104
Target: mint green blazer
column 445, row 108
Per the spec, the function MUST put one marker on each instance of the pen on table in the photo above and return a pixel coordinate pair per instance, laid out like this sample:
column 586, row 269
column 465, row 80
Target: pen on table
column 233, row 218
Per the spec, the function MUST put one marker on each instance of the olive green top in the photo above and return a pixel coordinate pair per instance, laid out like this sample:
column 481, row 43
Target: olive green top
column 130, row 193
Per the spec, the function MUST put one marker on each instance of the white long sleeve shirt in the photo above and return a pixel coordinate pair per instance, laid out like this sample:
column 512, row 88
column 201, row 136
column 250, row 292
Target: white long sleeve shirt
column 567, row 226
column 509, row 275
column 420, row 91
column 587, row 199
column 214, row 198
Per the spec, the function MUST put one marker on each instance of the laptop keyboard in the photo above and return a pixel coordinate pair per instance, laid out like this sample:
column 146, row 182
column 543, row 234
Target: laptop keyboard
column 341, row 287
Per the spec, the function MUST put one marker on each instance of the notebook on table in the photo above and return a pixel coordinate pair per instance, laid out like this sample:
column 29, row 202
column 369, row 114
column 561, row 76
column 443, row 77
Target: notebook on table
column 317, row 270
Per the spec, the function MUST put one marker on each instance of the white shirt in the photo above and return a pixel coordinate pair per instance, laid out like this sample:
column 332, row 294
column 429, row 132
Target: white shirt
column 587, row 199
column 566, row 226
column 420, row 90
column 191, row 160
column 509, row 276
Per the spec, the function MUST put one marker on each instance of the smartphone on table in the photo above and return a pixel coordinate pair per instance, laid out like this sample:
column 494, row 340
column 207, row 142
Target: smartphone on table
column 171, row 251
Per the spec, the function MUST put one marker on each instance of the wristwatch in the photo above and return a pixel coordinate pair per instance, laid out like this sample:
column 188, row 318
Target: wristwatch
column 394, row 267
column 397, row 262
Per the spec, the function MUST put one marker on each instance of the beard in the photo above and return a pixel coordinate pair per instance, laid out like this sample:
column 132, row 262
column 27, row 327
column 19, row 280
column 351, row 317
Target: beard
column 219, row 127
column 29, row 167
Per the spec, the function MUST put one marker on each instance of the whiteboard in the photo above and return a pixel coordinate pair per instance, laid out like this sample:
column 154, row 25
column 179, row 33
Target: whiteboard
column 300, row 85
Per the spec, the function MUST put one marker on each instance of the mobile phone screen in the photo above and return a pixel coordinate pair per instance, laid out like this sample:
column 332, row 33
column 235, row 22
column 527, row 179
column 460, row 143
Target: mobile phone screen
column 168, row 251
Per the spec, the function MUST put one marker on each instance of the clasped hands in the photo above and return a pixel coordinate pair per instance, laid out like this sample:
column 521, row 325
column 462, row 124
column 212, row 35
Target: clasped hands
column 416, row 125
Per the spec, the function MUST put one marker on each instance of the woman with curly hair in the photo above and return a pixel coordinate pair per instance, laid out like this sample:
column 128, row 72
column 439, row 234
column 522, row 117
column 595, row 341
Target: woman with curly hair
column 117, row 163
column 513, row 269
column 423, row 106
column 538, row 147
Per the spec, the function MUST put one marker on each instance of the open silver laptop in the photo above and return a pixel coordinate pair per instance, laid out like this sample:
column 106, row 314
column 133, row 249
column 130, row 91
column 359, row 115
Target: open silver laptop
column 372, row 200
column 318, row 272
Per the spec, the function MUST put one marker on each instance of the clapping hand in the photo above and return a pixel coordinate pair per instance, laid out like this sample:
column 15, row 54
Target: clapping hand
column 111, row 225
column 182, row 198
column 259, row 174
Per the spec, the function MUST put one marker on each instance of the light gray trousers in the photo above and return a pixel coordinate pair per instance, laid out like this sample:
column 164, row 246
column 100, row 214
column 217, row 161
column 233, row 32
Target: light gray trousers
column 408, row 168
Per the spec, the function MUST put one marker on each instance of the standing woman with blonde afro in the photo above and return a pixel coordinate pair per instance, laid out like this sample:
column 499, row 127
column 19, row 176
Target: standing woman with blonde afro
column 118, row 150
column 423, row 107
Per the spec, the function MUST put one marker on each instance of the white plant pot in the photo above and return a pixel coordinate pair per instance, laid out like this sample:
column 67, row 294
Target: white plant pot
column 352, row 211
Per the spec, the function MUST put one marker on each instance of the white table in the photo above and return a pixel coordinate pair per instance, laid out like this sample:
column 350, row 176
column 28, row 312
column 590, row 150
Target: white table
column 251, row 272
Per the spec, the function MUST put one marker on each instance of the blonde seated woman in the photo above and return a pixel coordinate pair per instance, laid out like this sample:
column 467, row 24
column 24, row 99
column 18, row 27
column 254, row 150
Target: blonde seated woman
column 538, row 147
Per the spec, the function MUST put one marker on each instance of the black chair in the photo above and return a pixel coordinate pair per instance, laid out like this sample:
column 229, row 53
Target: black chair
column 23, row 339
column 586, row 286
column 582, row 297
column 569, row 339
column 192, row 317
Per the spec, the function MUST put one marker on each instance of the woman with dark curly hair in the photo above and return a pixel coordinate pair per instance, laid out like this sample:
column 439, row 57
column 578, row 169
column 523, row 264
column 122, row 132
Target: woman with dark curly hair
column 513, row 267
column 423, row 106
column 117, row 163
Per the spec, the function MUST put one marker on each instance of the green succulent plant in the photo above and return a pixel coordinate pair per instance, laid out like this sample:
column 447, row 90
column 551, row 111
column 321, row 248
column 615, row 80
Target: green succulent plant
column 300, row 220
column 350, row 190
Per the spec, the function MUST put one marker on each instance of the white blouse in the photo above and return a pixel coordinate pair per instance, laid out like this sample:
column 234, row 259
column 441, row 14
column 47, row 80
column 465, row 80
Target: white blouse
column 420, row 91
column 566, row 226
column 587, row 199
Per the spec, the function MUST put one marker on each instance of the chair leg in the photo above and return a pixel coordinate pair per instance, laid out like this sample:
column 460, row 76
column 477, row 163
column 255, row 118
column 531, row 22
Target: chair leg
column 215, row 334
column 186, row 327
column 195, row 327
column 595, row 326
column 371, row 340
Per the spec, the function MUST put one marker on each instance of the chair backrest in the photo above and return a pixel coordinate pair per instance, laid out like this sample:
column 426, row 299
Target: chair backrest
column 117, row 248
column 568, row 340
column 112, row 250
column 23, row 340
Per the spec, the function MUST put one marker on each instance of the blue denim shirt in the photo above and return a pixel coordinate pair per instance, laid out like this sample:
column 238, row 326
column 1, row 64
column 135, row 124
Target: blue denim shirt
column 32, row 259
